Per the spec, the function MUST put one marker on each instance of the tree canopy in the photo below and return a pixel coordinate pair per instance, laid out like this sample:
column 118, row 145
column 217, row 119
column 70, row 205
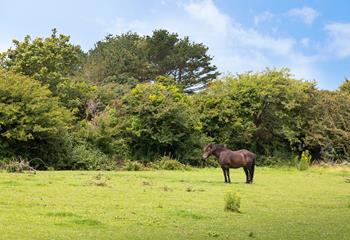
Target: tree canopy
column 131, row 58
column 53, row 61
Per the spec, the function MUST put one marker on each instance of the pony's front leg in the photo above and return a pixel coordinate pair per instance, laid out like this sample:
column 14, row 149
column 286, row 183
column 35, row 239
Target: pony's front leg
column 224, row 172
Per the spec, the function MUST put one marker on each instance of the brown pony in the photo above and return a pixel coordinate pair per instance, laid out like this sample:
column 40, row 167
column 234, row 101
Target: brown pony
column 232, row 159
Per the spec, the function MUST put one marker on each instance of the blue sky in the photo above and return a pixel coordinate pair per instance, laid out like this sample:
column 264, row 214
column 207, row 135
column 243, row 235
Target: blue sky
column 310, row 37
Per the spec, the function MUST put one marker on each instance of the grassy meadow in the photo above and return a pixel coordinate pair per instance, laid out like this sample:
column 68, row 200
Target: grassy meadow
column 283, row 203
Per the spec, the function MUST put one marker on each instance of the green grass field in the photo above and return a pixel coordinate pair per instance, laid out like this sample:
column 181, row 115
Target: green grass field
column 282, row 204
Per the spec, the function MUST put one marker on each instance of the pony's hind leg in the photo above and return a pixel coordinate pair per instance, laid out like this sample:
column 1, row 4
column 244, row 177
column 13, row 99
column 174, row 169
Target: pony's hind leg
column 246, row 174
column 228, row 175
column 252, row 172
column 224, row 172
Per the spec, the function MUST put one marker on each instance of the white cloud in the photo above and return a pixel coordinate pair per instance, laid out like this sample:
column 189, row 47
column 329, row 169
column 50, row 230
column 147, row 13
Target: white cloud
column 244, row 49
column 307, row 14
column 339, row 39
column 263, row 17
column 207, row 12
column 213, row 20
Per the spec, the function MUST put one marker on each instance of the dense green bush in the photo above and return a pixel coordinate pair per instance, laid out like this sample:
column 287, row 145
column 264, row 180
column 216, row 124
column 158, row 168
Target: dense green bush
column 105, row 132
column 132, row 166
column 84, row 157
column 32, row 122
column 167, row 163
column 157, row 120
column 211, row 162
column 52, row 61
column 265, row 112
column 327, row 134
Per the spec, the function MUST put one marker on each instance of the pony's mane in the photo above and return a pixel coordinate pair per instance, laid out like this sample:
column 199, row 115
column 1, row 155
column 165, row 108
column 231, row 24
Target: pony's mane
column 219, row 146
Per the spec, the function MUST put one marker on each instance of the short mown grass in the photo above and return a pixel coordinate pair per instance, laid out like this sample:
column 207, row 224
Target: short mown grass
column 283, row 203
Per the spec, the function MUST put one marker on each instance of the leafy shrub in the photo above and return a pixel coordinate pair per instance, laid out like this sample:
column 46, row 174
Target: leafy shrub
column 103, row 132
column 304, row 161
column 167, row 163
column 264, row 111
column 32, row 122
column 132, row 166
column 84, row 157
column 277, row 160
column 157, row 120
column 211, row 162
column 328, row 133
column 48, row 60
column 232, row 201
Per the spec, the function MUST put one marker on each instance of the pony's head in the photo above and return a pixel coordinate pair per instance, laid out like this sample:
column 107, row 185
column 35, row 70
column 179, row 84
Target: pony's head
column 208, row 150
column 211, row 148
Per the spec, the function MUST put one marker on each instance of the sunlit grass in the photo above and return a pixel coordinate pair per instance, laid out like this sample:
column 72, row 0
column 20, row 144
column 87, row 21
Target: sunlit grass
column 282, row 203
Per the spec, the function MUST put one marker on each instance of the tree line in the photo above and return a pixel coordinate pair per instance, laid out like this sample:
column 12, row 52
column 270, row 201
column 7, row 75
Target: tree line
column 127, row 98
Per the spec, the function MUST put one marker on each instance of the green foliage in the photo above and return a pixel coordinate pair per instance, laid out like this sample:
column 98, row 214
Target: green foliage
column 186, row 61
column 85, row 157
column 74, row 94
column 27, row 109
column 109, row 93
column 132, row 166
column 328, row 128
column 345, row 87
column 44, row 58
column 61, row 108
column 130, row 58
column 158, row 120
column 232, row 201
column 278, row 158
column 304, row 161
column 30, row 118
column 211, row 162
column 104, row 132
column 120, row 59
column 264, row 111
column 167, row 163
column 52, row 61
